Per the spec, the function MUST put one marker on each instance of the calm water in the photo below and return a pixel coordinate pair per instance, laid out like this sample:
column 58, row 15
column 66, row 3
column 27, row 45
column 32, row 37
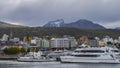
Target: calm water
column 15, row 64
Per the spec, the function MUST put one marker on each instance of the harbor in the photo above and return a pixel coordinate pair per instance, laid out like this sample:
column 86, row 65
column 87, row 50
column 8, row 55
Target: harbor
column 84, row 54
column 59, row 34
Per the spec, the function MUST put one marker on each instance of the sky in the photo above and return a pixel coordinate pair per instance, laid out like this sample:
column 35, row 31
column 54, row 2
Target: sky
column 39, row 12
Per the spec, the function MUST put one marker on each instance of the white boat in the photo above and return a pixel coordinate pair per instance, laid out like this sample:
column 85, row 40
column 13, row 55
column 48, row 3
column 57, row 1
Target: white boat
column 34, row 57
column 56, row 54
column 90, row 55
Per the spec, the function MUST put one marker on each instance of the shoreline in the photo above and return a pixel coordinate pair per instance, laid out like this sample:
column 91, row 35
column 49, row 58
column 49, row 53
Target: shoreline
column 8, row 57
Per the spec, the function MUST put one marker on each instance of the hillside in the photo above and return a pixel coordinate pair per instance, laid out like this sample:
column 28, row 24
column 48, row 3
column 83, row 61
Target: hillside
column 84, row 24
column 118, row 28
column 4, row 25
column 58, row 32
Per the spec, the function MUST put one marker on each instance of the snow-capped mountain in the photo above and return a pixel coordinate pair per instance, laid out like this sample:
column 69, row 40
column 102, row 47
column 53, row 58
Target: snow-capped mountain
column 80, row 24
column 56, row 23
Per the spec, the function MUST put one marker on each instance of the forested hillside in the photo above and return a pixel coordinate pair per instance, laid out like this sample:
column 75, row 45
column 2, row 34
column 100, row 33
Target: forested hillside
column 57, row 32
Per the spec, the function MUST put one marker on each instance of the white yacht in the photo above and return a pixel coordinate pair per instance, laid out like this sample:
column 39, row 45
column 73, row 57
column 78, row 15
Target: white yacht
column 90, row 55
column 115, row 52
column 34, row 57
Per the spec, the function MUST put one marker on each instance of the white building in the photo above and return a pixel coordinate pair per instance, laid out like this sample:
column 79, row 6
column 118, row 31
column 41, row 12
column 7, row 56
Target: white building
column 16, row 39
column 119, row 39
column 108, row 39
column 97, row 38
column 72, row 42
column 93, row 43
column 59, row 42
column 43, row 43
column 5, row 37
column 116, row 41
column 34, row 40
column 63, row 42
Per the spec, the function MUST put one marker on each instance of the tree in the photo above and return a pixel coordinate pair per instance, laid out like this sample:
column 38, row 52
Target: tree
column 28, row 50
column 11, row 50
column 5, row 50
column 22, row 50
column 109, row 43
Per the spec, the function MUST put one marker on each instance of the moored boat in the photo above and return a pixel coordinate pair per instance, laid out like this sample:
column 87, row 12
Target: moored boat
column 115, row 52
column 90, row 55
column 56, row 54
column 34, row 57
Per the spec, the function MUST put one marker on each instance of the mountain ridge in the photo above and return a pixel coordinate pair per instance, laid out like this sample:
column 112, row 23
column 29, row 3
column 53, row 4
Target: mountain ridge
column 118, row 28
column 80, row 24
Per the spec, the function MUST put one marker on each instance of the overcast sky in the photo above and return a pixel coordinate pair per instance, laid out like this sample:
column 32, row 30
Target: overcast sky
column 39, row 12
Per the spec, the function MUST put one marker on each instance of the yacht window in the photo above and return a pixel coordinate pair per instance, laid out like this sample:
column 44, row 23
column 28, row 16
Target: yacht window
column 77, row 51
column 107, row 50
column 87, row 55
column 114, row 50
column 93, row 51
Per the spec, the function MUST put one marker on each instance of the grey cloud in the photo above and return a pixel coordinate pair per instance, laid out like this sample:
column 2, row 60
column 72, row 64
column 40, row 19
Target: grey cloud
column 39, row 12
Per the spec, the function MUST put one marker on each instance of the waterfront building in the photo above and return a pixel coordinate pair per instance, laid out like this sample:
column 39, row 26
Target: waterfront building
column 25, row 44
column 93, row 42
column 97, row 38
column 5, row 37
column 84, row 40
column 107, row 39
column 59, row 43
column 33, row 41
column 16, row 39
column 101, row 43
column 72, row 42
column 27, row 39
column 40, row 43
column 116, row 41
column 43, row 43
column 69, row 42
column 119, row 39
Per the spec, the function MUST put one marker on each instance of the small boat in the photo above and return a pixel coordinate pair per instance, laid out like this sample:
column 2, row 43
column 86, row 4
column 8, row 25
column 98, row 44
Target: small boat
column 90, row 55
column 56, row 54
column 34, row 57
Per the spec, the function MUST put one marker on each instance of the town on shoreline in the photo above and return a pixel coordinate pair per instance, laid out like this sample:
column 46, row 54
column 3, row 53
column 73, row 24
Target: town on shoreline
column 14, row 47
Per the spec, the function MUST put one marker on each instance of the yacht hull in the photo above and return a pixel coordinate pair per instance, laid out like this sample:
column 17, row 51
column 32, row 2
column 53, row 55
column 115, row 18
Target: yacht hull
column 33, row 60
column 22, row 59
column 70, row 59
